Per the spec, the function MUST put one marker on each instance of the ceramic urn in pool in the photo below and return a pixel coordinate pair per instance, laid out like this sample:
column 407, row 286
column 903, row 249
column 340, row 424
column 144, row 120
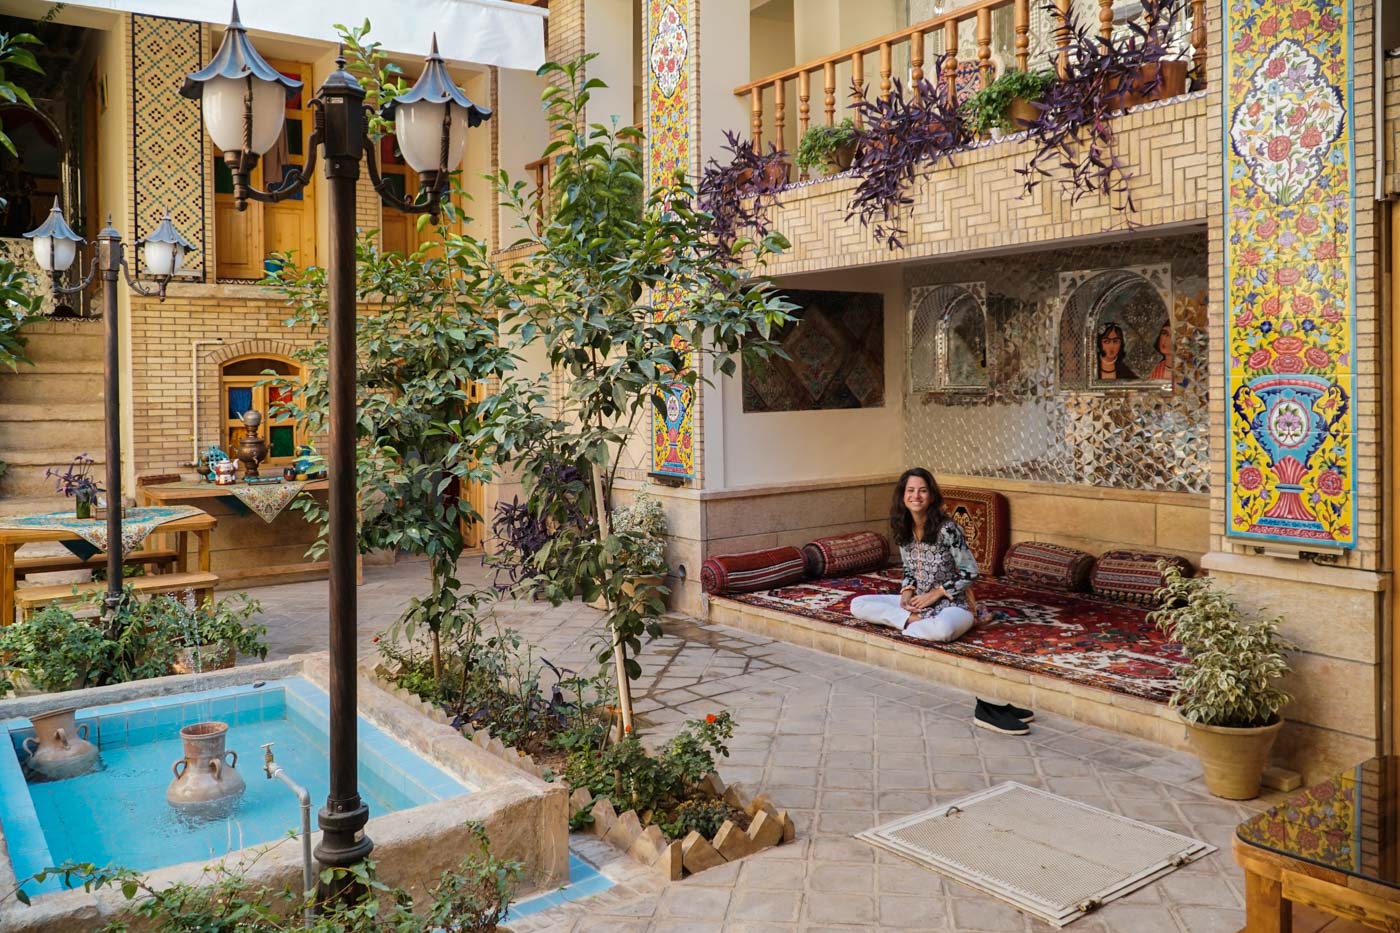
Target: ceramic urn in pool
column 207, row 773
column 59, row 748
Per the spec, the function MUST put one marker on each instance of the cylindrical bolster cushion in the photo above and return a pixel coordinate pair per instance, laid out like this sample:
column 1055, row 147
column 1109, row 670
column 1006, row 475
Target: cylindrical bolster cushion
column 755, row 570
column 1132, row 576
column 841, row 555
column 1052, row 566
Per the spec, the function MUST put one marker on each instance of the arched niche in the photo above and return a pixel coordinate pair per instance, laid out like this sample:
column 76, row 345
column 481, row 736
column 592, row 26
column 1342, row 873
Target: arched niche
column 949, row 340
column 1115, row 329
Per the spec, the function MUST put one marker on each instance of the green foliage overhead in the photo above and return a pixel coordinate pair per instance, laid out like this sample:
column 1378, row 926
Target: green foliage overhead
column 19, row 303
column 819, row 144
column 990, row 108
column 1234, row 662
column 14, row 54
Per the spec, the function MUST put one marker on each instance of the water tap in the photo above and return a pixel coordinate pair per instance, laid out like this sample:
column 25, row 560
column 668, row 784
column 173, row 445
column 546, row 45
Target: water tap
column 267, row 759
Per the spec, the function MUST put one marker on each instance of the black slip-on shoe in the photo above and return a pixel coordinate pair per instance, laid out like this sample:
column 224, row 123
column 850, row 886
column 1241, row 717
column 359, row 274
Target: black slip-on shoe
column 986, row 716
column 1015, row 712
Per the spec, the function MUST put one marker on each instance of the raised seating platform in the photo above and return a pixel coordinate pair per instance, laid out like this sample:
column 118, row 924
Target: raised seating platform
column 35, row 597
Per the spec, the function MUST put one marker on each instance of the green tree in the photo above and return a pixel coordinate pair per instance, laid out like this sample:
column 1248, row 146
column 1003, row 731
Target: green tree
column 629, row 304
column 18, row 299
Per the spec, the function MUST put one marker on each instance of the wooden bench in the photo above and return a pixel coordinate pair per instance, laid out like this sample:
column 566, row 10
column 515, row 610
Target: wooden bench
column 36, row 597
column 162, row 558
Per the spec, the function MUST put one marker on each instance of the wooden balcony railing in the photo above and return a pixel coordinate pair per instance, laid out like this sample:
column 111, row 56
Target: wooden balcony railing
column 539, row 173
column 911, row 42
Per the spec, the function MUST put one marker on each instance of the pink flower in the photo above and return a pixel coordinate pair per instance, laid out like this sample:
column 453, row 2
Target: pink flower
column 1307, row 224
column 1269, row 26
column 1302, row 304
column 1267, row 228
column 1279, row 148
column 1288, row 365
column 1287, row 276
column 1271, row 307
column 1327, row 250
column 1300, row 19
column 1299, row 114
column 1242, row 43
column 1244, row 317
column 1330, row 314
column 1274, row 68
column 1250, row 257
column 1328, row 23
column 1251, row 478
column 1329, row 483
column 1258, row 359
column 1312, row 138
column 1288, row 345
column 1317, row 357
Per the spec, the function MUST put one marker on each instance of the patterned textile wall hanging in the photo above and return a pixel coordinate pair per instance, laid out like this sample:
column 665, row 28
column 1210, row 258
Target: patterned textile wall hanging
column 1289, row 256
column 1037, row 410
column 668, row 129
column 167, row 140
column 836, row 356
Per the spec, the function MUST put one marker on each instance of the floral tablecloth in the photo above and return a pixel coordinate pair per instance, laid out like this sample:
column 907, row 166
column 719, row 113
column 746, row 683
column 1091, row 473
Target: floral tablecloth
column 137, row 524
column 267, row 500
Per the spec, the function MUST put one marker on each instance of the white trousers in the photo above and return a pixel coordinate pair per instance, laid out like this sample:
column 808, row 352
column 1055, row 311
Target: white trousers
column 950, row 624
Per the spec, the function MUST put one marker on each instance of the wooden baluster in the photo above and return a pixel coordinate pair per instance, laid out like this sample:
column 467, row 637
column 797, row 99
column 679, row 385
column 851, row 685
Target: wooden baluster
column 886, row 69
column 804, row 97
column 916, row 58
column 829, row 76
column 756, row 103
column 779, row 113
column 984, row 45
column 1106, row 18
column 1022, row 16
column 950, row 63
column 857, row 83
column 1198, row 41
column 1062, row 37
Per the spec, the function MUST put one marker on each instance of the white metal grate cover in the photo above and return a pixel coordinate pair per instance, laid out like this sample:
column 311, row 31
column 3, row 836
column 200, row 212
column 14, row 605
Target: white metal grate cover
column 1052, row 857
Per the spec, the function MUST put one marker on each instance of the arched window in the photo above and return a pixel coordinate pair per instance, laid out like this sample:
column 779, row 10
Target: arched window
column 242, row 388
column 948, row 339
column 1115, row 328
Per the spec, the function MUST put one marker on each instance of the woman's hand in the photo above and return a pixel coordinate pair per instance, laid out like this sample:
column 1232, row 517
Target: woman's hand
column 927, row 599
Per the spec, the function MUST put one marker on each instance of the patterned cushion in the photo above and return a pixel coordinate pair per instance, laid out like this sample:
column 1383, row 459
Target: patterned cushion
column 1132, row 576
column 756, row 570
column 985, row 518
column 843, row 555
column 1035, row 563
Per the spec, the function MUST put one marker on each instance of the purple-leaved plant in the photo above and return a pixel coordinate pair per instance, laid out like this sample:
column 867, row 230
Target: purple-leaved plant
column 738, row 192
column 76, row 482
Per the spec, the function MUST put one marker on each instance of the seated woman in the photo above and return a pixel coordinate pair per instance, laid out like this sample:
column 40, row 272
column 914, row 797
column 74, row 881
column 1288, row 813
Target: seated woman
column 932, row 605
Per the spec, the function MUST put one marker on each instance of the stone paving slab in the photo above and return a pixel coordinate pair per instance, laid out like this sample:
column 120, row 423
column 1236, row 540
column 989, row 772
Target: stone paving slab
column 843, row 746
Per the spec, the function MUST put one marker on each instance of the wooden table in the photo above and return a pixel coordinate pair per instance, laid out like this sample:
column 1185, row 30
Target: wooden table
column 1332, row 847
column 12, row 539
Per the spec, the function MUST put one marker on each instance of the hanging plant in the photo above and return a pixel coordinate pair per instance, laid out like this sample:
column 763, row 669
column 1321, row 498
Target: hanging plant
column 738, row 193
column 824, row 147
column 1074, row 133
column 899, row 136
column 1008, row 103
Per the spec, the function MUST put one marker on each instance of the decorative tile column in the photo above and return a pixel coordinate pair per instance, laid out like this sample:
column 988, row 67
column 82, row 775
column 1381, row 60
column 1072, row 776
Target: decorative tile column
column 1290, row 267
column 672, row 70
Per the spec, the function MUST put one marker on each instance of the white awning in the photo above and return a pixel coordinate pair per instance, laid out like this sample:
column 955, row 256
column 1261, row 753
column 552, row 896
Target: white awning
column 484, row 32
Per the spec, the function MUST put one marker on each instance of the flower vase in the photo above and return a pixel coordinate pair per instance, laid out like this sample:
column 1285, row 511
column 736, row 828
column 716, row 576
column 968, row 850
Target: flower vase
column 1283, row 415
column 82, row 508
column 59, row 748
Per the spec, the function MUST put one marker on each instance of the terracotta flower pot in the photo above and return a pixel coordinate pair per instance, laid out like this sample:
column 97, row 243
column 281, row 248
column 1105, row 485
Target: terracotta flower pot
column 207, row 776
column 777, row 173
column 1172, row 84
column 211, row 657
column 59, row 748
column 1233, row 759
column 1022, row 114
column 842, row 158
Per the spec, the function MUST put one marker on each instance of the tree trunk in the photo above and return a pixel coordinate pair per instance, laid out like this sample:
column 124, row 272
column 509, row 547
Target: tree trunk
column 624, row 686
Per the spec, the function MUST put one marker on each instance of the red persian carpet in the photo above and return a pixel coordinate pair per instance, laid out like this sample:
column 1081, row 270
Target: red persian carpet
column 1073, row 636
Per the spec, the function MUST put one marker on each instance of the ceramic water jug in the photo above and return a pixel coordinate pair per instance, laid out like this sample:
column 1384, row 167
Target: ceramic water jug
column 59, row 748
column 208, row 772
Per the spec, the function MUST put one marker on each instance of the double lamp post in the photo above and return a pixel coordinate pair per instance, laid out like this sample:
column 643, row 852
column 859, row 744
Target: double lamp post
column 243, row 99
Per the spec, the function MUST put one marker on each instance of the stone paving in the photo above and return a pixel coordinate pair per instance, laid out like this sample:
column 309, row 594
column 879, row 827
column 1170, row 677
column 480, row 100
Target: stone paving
column 843, row 747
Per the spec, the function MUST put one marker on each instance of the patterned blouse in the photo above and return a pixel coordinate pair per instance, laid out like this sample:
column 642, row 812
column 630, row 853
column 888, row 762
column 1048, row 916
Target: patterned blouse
column 947, row 562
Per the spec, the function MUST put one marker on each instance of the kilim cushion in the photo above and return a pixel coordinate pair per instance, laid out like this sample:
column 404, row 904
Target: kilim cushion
column 985, row 518
column 756, row 570
column 1052, row 566
column 843, row 555
column 1132, row 576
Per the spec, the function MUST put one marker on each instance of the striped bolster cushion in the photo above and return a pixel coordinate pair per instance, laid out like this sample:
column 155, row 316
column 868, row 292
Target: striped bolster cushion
column 756, row 570
column 1049, row 565
column 840, row 555
column 1132, row 576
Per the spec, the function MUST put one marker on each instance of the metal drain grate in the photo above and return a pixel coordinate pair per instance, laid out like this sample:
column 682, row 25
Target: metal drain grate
column 1052, row 857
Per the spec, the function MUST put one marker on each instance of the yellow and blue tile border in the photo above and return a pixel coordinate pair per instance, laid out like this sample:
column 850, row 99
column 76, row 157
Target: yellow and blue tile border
column 1290, row 266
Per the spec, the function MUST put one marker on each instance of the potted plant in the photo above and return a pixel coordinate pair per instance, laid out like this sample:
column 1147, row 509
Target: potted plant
column 828, row 148
column 738, row 193
column 209, row 636
column 77, row 483
column 1153, row 50
column 643, row 523
column 1007, row 105
column 1227, row 693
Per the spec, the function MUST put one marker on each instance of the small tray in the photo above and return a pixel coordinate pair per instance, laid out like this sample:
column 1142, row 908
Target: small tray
column 262, row 480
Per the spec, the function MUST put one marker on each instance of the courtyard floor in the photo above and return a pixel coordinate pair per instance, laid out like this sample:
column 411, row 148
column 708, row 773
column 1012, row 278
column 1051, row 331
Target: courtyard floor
column 843, row 747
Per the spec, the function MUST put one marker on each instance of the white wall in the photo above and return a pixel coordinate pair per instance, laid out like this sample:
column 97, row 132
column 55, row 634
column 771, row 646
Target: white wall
column 523, row 134
column 610, row 31
column 774, row 447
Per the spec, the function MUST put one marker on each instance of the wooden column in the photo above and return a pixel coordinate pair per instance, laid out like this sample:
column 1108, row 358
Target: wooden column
column 950, row 61
column 984, row 45
column 1106, row 18
column 1198, row 41
column 886, row 68
column 829, row 77
column 756, row 105
column 1021, row 14
column 916, row 59
column 857, row 83
column 779, row 112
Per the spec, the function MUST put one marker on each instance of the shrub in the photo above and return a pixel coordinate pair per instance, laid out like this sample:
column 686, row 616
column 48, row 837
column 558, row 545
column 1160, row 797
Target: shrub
column 1233, row 661
column 645, row 522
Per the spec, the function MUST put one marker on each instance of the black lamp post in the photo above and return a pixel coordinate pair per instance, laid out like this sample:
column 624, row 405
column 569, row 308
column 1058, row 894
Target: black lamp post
column 243, row 99
column 55, row 248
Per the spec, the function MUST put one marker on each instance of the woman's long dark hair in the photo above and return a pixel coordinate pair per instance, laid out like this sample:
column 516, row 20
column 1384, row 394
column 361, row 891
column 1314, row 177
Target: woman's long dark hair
column 902, row 520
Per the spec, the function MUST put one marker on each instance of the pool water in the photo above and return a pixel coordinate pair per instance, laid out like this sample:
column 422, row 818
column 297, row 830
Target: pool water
column 117, row 815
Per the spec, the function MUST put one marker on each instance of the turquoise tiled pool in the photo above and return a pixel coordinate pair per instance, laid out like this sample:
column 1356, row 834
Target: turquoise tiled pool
column 117, row 814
